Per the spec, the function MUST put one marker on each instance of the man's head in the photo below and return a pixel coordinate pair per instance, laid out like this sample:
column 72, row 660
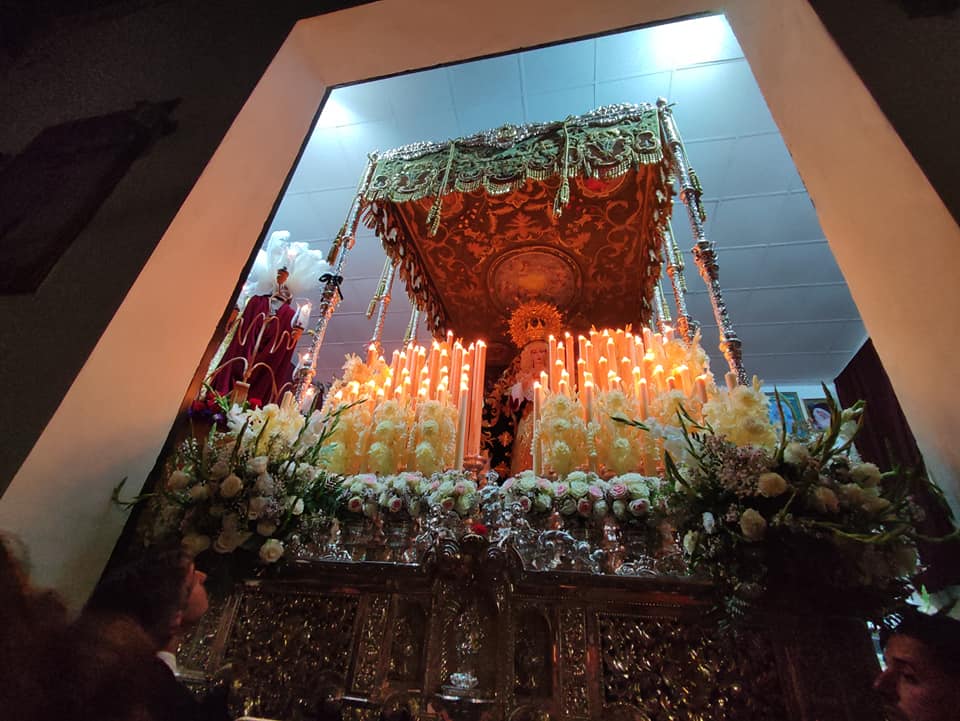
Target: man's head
column 162, row 591
column 922, row 678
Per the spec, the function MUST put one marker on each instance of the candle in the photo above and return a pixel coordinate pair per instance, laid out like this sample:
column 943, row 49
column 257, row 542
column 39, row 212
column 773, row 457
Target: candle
column 635, row 347
column 581, row 370
column 433, row 372
column 644, row 399
column 568, row 362
column 566, row 387
column 626, row 367
column 732, row 380
column 637, row 376
column 479, row 360
column 649, row 361
column 556, row 375
column 551, row 357
column 658, row 378
column 701, row 388
column 461, row 425
column 395, row 364
column 537, row 405
column 686, row 379
column 371, row 354
column 667, row 334
column 582, row 347
column 647, row 338
column 602, row 373
column 588, row 394
column 590, row 367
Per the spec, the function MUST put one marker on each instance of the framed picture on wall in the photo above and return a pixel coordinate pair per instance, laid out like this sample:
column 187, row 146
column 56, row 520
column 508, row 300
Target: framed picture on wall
column 793, row 410
column 818, row 412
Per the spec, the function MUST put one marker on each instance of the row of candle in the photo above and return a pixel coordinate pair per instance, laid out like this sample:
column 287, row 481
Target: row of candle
column 636, row 364
column 450, row 373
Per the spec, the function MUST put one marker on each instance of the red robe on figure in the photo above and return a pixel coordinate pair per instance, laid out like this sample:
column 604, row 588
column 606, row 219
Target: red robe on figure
column 275, row 350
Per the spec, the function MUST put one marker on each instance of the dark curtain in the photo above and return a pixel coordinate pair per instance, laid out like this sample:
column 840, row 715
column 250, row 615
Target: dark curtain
column 886, row 440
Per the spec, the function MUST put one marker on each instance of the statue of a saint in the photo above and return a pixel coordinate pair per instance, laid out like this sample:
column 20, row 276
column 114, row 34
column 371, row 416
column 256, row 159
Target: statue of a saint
column 508, row 418
column 263, row 344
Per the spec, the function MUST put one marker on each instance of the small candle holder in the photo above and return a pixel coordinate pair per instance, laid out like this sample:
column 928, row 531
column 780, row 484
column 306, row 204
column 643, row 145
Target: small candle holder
column 474, row 465
column 239, row 393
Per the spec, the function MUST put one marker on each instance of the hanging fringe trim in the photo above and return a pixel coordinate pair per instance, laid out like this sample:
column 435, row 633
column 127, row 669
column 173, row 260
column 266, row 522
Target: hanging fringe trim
column 562, row 199
column 433, row 217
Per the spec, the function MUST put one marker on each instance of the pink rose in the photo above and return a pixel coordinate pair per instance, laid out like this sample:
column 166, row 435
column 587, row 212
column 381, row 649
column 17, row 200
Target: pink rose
column 435, row 485
column 596, row 493
column 618, row 491
column 460, row 488
column 560, row 490
column 544, row 485
column 507, row 485
column 584, row 507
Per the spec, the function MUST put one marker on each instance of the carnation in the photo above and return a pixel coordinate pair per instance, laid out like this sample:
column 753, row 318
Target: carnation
column 866, row 474
column 178, row 480
column 753, row 525
column 825, row 500
column 231, row 486
column 771, row 485
column 795, row 453
column 219, row 470
column 264, row 484
column 258, row 465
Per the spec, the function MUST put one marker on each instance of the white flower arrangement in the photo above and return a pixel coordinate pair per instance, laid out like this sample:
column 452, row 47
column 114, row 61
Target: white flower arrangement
column 563, row 434
column 433, row 438
column 452, row 491
column 528, row 492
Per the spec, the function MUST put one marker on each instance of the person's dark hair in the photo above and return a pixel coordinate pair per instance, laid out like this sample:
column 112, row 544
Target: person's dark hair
column 940, row 634
column 150, row 590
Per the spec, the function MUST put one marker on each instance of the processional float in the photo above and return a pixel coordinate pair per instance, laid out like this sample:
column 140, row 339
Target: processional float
column 530, row 623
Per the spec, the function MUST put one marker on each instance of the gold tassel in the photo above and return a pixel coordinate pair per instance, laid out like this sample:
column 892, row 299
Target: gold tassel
column 433, row 217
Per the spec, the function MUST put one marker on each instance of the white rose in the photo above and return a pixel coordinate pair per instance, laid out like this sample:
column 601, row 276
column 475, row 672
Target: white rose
column 199, row 493
column 542, row 503
column 266, row 528
column 600, row 509
column 230, row 541
column 709, row 522
column 195, row 543
column 578, row 489
column 257, row 465
column 866, row 474
column 271, row 551
column 231, row 486
column 219, row 470
column 619, row 509
column 753, row 525
column 771, row 485
column 796, row 453
column 297, row 507
column 568, row 507
column 178, row 480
